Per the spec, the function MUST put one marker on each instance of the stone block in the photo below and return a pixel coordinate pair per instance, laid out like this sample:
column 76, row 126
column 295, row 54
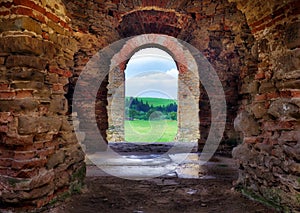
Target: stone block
column 291, row 84
column 49, row 124
column 266, row 86
column 289, row 136
column 283, row 74
column 246, row 124
column 283, row 109
column 56, row 159
column 23, row 23
column 18, row 140
column 33, row 85
column 32, row 125
column 28, row 125
column 258, row 110
column 27, row 45
column 26, row 61
column 25, row 74
column 249, row 87
column 58, row 105
column 24, row 105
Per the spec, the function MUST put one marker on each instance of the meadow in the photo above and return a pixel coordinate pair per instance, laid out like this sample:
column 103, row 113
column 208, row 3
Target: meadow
column 150, row 131
column 157, row 101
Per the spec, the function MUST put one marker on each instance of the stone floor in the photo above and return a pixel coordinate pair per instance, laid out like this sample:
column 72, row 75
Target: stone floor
column 151, row 182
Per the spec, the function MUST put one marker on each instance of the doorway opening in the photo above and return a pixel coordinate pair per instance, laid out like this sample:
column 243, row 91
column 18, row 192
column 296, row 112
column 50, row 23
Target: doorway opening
column 187, row 93
column 151, row 91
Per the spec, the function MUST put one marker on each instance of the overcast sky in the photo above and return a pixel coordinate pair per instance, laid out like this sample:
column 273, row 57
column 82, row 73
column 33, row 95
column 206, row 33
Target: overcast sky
column 151, row 72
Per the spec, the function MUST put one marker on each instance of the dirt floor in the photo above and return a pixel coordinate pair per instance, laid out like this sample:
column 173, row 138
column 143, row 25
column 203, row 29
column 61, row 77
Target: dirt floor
column 107, row 194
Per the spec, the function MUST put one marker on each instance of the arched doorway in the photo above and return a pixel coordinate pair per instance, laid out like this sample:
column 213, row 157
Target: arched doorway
column 188, row 86
column 151, row 90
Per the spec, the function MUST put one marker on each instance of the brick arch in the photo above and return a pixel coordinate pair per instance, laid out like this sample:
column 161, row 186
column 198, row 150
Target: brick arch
column 214, row 27
column 188, row 109
column 151, row 40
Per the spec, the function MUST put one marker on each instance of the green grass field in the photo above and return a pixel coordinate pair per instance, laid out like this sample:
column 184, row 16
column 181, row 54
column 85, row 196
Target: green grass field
column 150, row 131
column 157, row 101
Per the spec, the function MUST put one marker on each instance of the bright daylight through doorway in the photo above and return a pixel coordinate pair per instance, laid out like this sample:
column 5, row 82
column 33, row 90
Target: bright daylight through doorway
column 151, row 87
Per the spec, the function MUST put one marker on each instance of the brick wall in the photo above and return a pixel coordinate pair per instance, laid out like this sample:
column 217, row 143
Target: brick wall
column 269, row 114
column 252, row 45
column 40, row 159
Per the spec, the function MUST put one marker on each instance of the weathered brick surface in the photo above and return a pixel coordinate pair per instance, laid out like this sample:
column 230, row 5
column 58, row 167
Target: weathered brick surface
column 274, row 105
column 253, row 45
column 36, row 53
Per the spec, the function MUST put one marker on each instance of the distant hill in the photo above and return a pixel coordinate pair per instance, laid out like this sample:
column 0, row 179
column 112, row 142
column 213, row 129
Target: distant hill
column 156, row 101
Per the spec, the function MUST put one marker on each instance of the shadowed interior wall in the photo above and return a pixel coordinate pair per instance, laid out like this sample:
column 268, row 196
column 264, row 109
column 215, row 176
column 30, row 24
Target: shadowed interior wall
column 44, row 45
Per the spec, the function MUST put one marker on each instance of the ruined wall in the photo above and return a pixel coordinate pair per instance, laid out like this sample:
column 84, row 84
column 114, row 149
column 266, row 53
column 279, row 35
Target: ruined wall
column 217, row 29
column 44, row 46
column 40, row 159
column 94, row 28
column 221, row 33
column 269, row 114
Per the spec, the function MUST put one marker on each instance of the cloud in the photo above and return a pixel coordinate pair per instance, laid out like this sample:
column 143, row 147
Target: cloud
column 151, row 72
column 173, row 72
column 154, row 84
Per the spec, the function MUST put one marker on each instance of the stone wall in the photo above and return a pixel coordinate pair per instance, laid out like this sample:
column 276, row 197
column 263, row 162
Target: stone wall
column 218, row 30
column 44, row 46
column 269, row 113
column 40, row 159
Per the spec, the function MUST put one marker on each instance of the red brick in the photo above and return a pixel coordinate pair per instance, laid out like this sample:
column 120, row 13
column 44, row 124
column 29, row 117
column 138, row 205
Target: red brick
column 5, row 117
column 4, row 86
column 46, row 152
column 65, row 25
column 18, row 140
column 7, row 95
column 52, row 17
column 275, row 126
column 32, row 163
column 61, row 72
column 39, row 17
column 19, row 10
column 260, row 75
column 24, row 94
column 272, row 95
column 295, row 94
column 45, row 35
column 22, row 11
column 285, row 94
column 56, row 70
column 4, row 13
column 3, row 128
column 30, row 4
column 58, row 87
column 24, row 155
column 262, row 97
column 68, row 74
column 251, row 140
